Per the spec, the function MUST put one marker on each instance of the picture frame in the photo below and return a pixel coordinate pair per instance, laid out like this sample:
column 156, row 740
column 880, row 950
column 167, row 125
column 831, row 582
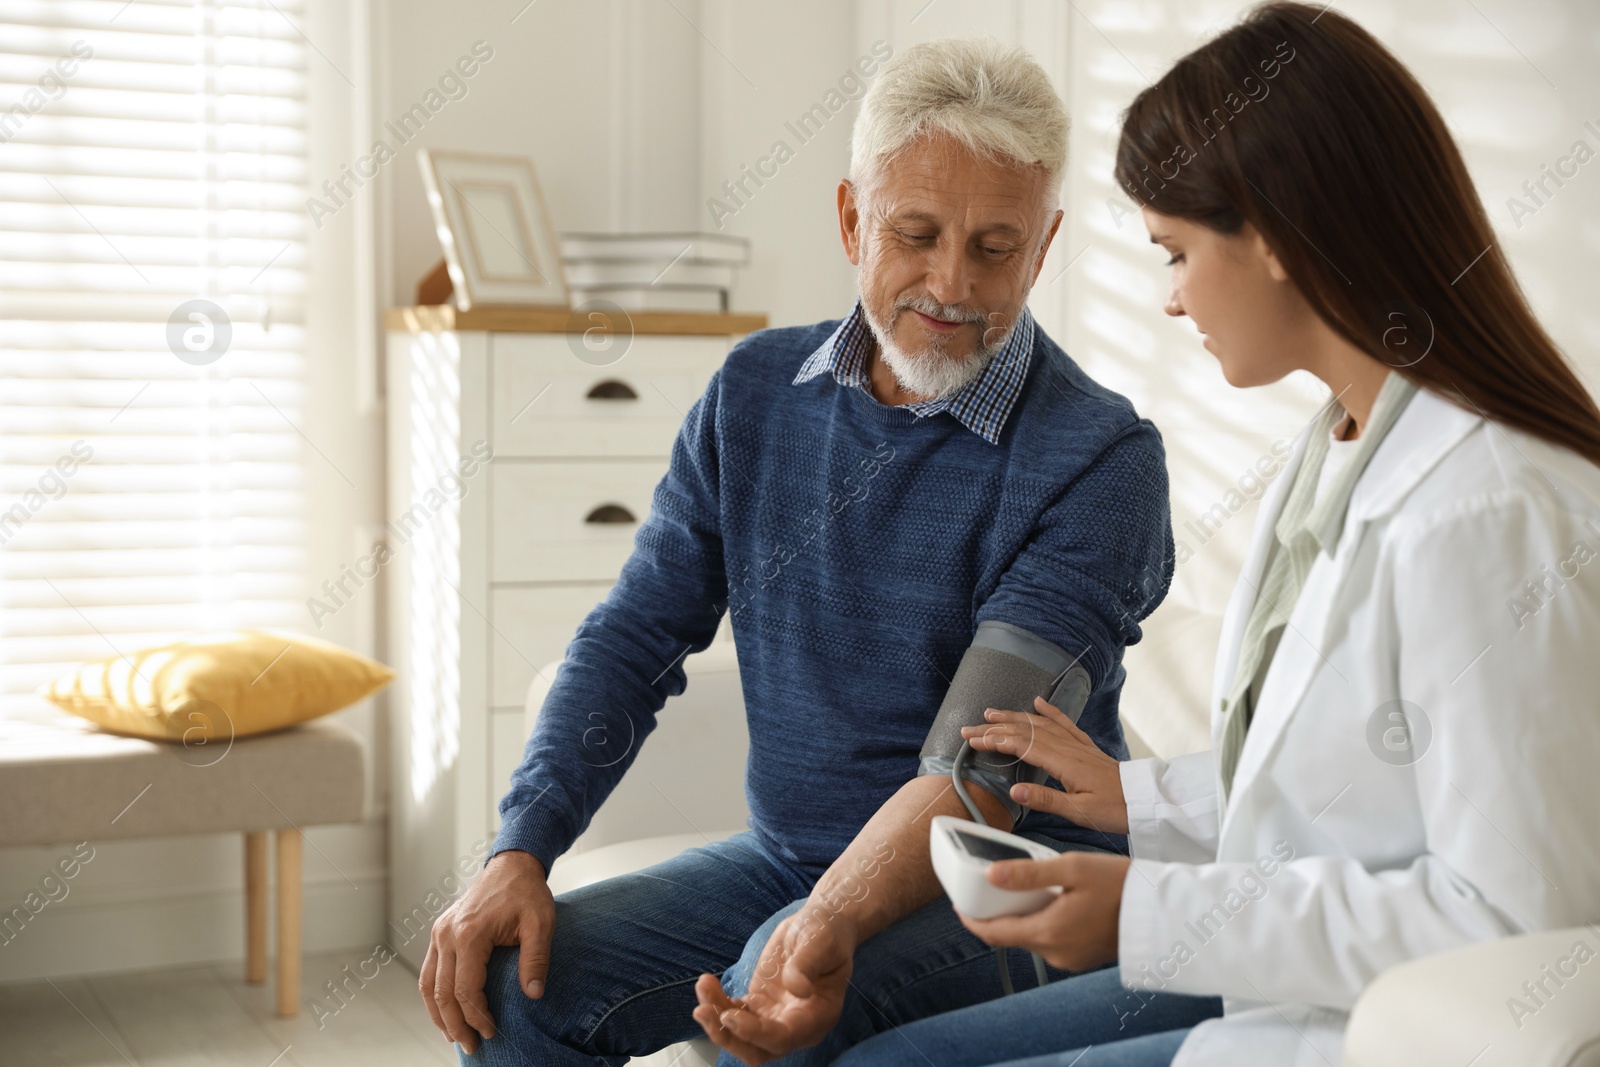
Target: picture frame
column 490, row 215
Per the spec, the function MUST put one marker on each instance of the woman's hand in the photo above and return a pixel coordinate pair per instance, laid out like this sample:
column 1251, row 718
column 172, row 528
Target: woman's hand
column 1075, row 932
column 1091, row 793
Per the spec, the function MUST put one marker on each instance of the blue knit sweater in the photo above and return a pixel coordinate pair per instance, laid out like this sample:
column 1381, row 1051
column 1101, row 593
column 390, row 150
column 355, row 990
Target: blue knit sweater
column 858, row 546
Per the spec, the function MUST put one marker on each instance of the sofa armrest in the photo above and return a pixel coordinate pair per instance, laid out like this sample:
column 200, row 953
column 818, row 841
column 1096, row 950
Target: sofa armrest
column 1528, row 1001
column 688, row 774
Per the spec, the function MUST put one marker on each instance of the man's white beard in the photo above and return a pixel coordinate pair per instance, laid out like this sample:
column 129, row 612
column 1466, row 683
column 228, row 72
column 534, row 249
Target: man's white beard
column 934, row 373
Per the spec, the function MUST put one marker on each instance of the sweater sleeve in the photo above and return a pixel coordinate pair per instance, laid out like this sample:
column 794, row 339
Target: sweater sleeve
column 1099, row 560
column 627, row 656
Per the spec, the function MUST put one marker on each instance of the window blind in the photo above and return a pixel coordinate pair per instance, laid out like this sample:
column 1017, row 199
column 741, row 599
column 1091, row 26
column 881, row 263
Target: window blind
column 152, row 153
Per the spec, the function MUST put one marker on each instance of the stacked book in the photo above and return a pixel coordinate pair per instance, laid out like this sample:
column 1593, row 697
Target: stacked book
column 653, row 271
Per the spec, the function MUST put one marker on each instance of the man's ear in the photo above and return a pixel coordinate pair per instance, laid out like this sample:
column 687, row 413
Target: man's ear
column 849, row 221
column 1044, row 247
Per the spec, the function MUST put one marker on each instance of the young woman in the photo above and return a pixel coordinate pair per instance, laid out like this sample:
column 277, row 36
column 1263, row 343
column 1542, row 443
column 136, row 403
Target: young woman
column 1404, row 727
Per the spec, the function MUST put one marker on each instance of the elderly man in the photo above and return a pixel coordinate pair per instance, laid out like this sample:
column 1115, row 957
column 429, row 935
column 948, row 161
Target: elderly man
column 862, row 495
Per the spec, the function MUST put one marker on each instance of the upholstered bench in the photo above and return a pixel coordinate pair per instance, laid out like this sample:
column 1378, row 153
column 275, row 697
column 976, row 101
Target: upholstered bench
column 63, row 780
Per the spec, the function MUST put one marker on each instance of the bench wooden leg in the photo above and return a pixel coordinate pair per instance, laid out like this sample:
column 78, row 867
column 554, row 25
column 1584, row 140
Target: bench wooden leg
column 255, row 906
column 288, row 922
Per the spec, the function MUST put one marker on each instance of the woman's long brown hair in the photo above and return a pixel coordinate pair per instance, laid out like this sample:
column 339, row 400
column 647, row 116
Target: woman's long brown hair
column 1301, row 123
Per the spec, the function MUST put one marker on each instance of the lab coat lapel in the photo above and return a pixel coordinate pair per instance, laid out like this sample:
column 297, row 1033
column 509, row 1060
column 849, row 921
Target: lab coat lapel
column 1423, row 434
column 1243, row 598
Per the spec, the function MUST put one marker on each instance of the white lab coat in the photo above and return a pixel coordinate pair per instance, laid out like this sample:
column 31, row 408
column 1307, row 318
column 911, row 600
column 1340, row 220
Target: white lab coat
column 1492, row 829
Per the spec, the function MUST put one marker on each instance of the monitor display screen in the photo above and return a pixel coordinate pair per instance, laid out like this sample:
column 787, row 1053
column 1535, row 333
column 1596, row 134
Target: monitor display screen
column 986, row 848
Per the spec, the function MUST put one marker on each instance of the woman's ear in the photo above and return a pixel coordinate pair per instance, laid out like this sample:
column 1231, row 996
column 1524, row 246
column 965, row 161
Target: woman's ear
column 1275, row 268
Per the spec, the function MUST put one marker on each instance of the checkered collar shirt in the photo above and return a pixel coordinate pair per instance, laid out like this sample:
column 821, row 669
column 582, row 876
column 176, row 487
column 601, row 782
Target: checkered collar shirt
column 981, row 405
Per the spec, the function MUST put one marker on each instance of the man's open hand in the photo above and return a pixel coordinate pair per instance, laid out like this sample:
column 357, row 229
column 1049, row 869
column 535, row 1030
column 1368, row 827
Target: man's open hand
column 509, row 904
column 796, row 992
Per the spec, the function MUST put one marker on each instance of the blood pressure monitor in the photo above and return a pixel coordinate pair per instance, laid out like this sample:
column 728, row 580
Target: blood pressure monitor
column 962, row 852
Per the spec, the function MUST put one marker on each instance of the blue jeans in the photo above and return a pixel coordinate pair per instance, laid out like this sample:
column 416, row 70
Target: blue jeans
column 1087, row 1020
column 627, row 951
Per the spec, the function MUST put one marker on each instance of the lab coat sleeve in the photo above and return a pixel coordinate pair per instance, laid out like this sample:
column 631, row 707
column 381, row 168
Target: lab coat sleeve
column 1315, row 930
column 1172, row 807
column 1506, row 787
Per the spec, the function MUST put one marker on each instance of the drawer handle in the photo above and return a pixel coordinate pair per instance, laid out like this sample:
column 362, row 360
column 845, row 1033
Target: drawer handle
column 612, row 389
column 608, row 513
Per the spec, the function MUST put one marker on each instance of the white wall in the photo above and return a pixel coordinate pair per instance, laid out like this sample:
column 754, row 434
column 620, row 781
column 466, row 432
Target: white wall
column 635, row 112
column 762, row 67
column 603, row 97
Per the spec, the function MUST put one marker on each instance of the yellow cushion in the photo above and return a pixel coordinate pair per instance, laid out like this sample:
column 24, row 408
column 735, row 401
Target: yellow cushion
column 214, row 687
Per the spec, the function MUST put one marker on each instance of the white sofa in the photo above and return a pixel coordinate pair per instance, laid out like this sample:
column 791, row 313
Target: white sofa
column 686, row 787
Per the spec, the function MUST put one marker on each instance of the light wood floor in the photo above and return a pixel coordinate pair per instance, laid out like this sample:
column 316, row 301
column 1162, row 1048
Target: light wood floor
column 207, row 1016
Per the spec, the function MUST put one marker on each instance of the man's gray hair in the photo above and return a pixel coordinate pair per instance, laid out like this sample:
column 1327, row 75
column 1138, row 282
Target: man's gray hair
column 995, row 100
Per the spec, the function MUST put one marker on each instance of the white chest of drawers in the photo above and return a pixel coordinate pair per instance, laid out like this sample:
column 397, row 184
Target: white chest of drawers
column 495, row 561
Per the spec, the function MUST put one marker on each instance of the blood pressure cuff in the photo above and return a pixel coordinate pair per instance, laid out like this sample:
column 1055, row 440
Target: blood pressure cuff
column 1004, row 667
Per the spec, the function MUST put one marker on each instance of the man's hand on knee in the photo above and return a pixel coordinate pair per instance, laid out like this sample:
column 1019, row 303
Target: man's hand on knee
column 509, row 904
column 796, row 991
